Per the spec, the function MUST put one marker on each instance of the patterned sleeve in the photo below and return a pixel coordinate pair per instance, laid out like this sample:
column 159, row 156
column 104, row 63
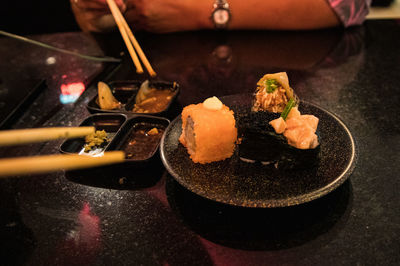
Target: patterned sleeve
column 351, row 12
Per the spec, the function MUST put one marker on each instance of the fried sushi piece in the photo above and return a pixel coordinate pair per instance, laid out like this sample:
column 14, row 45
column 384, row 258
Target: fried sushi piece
column 209, row 131
column 273, row 93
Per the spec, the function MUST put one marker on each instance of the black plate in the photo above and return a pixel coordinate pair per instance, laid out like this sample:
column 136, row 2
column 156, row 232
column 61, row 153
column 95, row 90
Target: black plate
column 111, row 123
column 239, row 183
column 125, row 92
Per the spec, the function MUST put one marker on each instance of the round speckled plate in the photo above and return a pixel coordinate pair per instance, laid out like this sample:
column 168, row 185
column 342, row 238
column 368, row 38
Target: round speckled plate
column 251, row 179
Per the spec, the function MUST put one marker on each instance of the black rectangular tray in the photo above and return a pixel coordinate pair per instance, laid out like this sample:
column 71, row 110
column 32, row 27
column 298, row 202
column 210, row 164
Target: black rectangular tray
column 125, row 92
column 119, row 126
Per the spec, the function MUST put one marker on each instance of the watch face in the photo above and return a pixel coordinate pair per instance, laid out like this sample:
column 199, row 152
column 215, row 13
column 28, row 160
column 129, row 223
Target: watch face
column 221, row 16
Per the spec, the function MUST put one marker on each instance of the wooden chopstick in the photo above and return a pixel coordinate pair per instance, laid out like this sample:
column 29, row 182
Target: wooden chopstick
column 115, row 13
column 24, row 136
column 130, row 39
column 50, row 163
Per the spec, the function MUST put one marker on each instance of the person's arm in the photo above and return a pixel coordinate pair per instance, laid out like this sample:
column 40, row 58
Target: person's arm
column 182, row 15
column 282, row 15
column 94, row 15
column 186, row 15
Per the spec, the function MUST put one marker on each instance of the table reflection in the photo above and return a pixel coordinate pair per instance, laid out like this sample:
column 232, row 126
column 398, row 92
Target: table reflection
column 209, row 63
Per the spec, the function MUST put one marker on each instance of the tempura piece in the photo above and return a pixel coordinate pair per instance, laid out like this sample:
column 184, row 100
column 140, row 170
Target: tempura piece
column 144, row 90
column 152, row 100
column 106, row 99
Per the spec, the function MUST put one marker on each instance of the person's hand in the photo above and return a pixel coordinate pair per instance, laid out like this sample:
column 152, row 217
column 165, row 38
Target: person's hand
column 95, row 15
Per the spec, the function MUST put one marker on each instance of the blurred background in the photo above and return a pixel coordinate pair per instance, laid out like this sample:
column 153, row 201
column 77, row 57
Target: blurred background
column 35, row 17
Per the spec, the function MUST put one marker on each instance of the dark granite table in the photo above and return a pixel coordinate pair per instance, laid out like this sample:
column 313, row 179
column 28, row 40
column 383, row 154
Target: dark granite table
column 75, row 219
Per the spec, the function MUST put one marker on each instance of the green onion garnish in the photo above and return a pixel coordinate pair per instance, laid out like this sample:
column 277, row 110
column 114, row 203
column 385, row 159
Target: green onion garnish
column 271, row 85
column 288, row 107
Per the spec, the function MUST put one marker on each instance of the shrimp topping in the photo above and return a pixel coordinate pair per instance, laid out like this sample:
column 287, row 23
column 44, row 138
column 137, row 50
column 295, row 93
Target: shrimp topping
column 298, row 129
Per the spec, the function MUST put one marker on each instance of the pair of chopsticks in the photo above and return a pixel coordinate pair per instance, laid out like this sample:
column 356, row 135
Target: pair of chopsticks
column 49, row 163
column 130, row 39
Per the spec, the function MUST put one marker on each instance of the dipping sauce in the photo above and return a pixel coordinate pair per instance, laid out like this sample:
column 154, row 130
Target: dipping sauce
column 156, row 101
column 143, row 140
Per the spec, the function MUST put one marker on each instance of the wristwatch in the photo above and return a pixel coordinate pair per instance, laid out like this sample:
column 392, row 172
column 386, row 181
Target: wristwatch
column 221, row 14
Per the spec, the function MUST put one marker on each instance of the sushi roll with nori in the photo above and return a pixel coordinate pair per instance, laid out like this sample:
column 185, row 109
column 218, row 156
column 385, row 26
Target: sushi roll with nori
column 208, row 131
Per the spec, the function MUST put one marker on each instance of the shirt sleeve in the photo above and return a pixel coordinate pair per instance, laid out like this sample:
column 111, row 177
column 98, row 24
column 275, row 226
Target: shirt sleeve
column 351, row 12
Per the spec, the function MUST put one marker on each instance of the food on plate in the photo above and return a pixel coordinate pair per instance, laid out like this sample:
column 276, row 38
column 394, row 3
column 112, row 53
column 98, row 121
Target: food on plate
column 152, row 100
column 273, row 93
column 275, row 132
column 298, row 129
column 143, row 141
column 95, row 140
column 209, row 131
column 106, row 99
